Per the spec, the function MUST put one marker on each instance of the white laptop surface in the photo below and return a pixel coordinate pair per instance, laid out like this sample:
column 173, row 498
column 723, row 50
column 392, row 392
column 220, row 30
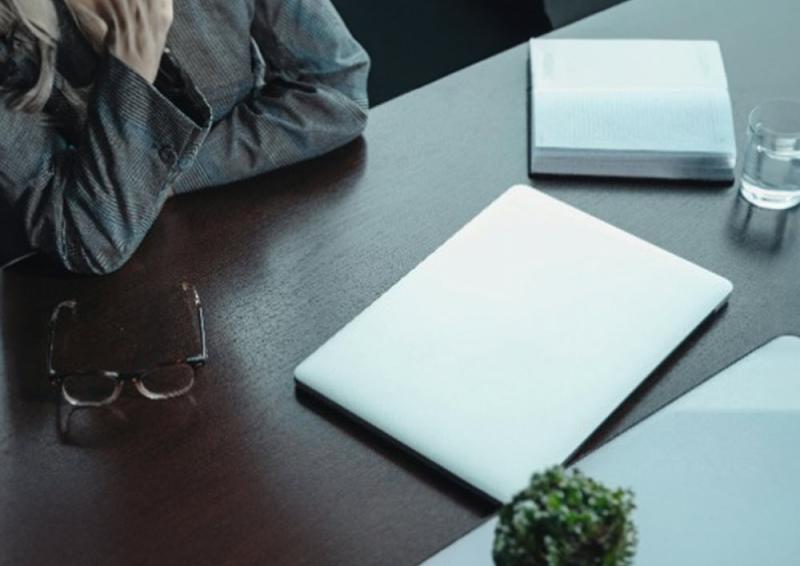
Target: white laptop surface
column 715, row 473
column 502, row 351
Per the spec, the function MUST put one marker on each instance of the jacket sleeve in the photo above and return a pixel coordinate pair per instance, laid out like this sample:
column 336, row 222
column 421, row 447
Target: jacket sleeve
column 312, row 98
column 90, row 204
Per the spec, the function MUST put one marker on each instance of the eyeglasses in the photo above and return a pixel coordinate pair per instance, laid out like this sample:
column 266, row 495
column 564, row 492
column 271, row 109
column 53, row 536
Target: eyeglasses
column 101, row 387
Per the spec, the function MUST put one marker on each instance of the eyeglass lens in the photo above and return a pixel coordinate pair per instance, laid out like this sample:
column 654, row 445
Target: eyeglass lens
column 91, row 389
column 166, row 382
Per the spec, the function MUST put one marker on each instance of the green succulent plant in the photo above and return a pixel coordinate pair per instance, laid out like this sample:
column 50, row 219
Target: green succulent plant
column 566, row 519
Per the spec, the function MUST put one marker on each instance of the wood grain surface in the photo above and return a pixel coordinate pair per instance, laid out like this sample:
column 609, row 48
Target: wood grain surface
column 246, row 472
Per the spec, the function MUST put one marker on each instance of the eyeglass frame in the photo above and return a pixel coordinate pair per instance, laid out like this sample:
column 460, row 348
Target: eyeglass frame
column 57, row 379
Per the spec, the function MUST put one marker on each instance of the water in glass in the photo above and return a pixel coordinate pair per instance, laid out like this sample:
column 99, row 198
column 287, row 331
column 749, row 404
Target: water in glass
column 771, row 175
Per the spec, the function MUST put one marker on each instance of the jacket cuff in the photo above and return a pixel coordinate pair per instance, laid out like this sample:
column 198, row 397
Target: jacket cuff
column 176, row 85
column 173, row 123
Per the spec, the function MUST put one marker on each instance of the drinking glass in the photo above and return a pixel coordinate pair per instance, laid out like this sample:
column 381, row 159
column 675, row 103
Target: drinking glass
column 771, row 175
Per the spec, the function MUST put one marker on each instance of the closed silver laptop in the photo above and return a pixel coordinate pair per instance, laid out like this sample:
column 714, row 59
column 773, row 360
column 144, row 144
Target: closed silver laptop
column 502, row 351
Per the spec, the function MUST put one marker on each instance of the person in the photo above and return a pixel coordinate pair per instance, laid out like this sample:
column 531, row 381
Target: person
column 109, row 107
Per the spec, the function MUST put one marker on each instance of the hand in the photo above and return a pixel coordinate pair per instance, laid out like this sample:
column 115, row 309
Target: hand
column 134, row 31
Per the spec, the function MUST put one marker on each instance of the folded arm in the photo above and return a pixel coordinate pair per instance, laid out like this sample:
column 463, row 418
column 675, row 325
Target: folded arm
column 313, row 97
column 90, row 205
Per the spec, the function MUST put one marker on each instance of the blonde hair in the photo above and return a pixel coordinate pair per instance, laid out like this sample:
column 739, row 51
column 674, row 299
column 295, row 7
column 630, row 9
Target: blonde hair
column 34, row 24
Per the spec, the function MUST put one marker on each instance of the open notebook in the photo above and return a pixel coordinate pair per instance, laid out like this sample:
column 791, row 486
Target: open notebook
column 630, row 108
column 715, row 473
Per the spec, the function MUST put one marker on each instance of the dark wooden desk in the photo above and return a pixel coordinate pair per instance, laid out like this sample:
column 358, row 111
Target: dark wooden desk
column 245, row 472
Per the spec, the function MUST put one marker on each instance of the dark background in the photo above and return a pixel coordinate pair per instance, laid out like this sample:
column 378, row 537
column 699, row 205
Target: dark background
column 414, row 42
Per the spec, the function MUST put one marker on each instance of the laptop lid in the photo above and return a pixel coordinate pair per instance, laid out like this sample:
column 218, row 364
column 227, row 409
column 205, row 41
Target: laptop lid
column 503, row 350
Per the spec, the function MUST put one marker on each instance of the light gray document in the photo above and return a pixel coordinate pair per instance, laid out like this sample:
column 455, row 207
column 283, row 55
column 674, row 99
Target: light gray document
column 715, row 473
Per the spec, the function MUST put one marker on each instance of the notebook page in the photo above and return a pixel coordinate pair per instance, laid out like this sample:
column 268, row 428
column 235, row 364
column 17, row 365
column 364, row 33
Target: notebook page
column 625, row 65
column 686, row 121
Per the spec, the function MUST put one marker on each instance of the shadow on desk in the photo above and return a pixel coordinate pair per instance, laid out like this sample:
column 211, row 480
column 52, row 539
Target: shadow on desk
column 577, row 182
column 761, row 232
column 400, row 455
column 28, row 294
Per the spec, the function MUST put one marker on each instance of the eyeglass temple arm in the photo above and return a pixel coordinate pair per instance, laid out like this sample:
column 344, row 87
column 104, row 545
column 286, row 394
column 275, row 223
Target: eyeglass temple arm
column 51, row 346
column 202, row 358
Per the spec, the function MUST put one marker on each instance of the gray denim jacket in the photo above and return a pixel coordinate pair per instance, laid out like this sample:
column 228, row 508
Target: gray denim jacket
column 248, row 86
